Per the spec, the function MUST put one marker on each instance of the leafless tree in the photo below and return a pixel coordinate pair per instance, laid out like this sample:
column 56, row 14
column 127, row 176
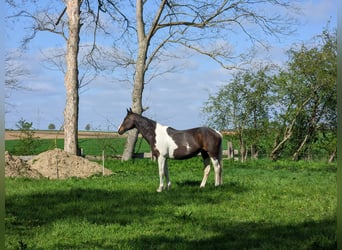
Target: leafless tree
column 71, row 77
column 206, row 27
column 14, row 72
column 64, row 19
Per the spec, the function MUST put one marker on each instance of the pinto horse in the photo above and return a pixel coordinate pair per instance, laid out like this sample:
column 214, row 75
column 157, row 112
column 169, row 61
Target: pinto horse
column 167, row 142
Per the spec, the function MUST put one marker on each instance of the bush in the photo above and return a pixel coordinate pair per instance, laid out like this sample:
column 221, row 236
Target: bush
column 27, row 141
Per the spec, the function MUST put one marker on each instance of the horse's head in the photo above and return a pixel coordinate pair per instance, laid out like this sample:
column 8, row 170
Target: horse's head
column 128, row 122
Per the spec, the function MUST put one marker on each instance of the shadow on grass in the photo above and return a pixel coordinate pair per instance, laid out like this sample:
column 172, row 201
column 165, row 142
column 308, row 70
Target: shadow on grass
column 232, row 186
column 188, row 183
column 95, row 205
column 309, row 235
column 101, row 207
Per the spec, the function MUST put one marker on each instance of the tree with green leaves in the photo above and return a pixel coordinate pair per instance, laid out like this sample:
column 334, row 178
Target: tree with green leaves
column 51, row 126
column 87, row 127
column 243, row 106
column 288, row 111
column 306, row 93
column 27, row 140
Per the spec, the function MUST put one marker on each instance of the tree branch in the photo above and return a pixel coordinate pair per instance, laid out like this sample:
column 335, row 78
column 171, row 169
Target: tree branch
column 60, row 17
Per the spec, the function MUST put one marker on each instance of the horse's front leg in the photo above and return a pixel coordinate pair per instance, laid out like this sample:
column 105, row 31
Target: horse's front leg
column 161, row 166
column 166, row 172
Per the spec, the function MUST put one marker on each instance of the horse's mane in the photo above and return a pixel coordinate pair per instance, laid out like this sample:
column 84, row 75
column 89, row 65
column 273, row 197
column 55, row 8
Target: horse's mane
column 145, row 126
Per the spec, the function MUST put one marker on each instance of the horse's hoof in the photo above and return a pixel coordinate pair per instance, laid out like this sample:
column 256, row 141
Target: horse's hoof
column 160, row 189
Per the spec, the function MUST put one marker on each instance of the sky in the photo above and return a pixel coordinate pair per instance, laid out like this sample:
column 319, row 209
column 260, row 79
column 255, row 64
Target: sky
column 174, row 99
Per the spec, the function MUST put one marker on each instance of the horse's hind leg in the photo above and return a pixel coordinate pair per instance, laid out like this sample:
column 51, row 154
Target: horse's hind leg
column 218, row 171
column 206, row 161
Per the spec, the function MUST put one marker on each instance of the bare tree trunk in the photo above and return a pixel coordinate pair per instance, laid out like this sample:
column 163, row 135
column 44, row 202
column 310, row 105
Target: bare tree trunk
column 242, row 146
column 242, row 152
column 332, row 156
column 278, row 146
column 139, row 77
column 137, row 108
column 295, row 156
column 71, row 78
column 254, row 152
column 230, row 150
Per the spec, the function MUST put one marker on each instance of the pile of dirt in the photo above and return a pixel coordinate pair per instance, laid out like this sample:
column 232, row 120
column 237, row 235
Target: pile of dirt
column 58, row 164
column 14, row 167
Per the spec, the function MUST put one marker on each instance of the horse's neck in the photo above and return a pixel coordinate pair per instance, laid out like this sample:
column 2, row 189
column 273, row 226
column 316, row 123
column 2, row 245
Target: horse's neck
column 146, row 128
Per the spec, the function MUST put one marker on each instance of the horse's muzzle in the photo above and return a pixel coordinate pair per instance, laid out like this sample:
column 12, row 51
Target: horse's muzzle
column 121, row 131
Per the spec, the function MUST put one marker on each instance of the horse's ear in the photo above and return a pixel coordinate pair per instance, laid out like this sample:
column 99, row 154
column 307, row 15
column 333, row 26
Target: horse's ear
column 130, row 110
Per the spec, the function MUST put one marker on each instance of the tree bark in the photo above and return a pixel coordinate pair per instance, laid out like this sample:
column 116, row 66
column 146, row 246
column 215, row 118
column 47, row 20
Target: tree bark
column 137, row 108
column 278, row 146
column 139, row 77
column 71, row 78
column 332, row 156
column 242, row 145
column 230, row 150
column 288, row 131
column 254, row 151
column 295, row 156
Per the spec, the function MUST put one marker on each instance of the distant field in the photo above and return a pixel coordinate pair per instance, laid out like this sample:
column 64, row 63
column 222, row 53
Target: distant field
column 91, row 146
column 53, row 134
column 92, row 142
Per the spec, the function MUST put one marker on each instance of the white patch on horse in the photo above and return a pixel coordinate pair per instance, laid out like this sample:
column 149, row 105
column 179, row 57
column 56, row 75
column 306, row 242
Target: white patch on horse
column 188, row 147
column 164, row 143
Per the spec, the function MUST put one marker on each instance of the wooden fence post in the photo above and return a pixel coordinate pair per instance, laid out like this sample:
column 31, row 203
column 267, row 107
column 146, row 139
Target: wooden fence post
column 230, row 151
column 103, row 162
column 236, row 155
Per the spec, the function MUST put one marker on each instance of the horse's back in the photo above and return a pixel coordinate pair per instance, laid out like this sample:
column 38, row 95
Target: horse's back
column 201, row 137
column 208, row 134
column 197, row 130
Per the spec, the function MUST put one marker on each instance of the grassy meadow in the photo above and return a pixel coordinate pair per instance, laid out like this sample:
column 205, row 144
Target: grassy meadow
column 262, row 205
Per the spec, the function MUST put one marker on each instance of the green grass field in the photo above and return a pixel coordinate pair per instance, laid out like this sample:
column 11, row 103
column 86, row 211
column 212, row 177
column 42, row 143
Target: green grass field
column 262, row 205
